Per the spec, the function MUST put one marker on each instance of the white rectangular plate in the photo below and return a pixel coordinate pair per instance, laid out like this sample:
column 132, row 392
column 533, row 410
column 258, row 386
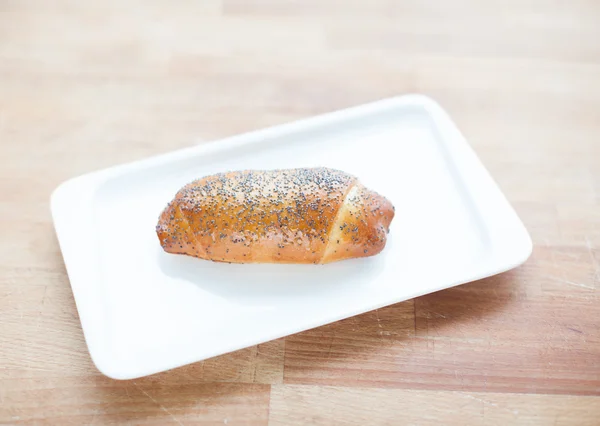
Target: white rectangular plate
column 144, row 311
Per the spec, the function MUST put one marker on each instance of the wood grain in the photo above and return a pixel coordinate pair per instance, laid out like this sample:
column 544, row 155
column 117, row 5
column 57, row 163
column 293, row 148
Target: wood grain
column 321, row 405
column 98, row 401
column 86, row 85
column 488, row 336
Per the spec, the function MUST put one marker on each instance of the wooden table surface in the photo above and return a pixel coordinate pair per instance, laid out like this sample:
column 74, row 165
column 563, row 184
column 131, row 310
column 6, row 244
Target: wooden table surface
column 86, row 85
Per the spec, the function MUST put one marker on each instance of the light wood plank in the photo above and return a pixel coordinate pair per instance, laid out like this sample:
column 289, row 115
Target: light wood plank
column 315, row 405
column 78, row 401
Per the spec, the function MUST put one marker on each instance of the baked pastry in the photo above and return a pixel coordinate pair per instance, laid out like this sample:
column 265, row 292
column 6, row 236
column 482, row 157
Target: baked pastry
column 304, row 215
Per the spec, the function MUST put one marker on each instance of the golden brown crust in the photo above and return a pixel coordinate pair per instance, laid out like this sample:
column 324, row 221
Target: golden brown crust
column 361, row 227
column 283, row 216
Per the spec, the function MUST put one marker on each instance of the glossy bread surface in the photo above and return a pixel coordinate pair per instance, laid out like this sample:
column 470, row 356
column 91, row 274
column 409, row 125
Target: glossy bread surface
column 303, row 215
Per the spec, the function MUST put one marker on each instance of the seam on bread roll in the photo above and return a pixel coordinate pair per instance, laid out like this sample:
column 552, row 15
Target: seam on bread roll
column 333, row 231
